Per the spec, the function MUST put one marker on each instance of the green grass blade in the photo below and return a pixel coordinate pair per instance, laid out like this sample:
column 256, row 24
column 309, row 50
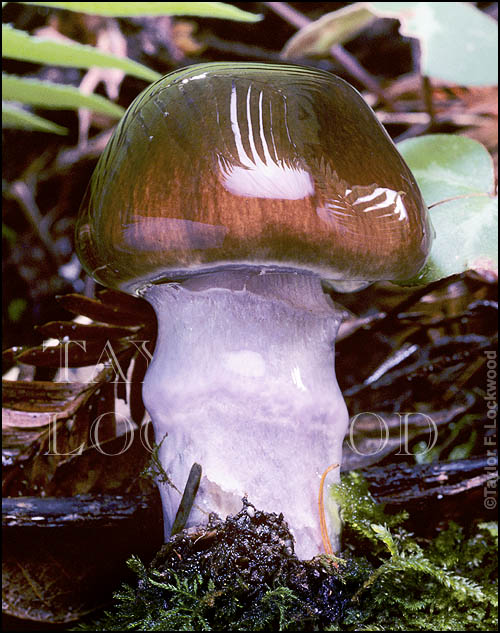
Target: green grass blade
column 55, row 96
column 17, row 44
column 141, row 9
column 13, row 117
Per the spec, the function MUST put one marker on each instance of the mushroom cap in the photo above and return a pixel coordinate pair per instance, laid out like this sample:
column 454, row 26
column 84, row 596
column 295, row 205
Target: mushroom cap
column 233, row 165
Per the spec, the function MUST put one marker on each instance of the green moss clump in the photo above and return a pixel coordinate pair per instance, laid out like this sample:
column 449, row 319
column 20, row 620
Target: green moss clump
column 241, row 575
column 449, row 583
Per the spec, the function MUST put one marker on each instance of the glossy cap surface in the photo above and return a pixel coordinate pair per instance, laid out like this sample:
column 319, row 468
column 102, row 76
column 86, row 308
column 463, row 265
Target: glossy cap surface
column 251, row 164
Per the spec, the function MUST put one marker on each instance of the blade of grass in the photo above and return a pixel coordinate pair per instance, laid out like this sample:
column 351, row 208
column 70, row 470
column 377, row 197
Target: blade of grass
column 141, row 9
column 17, row 118
column 17, row 44
column 55, row 96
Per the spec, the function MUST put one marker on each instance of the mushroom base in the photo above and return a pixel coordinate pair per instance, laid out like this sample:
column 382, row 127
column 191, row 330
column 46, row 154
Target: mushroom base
column 242, row 382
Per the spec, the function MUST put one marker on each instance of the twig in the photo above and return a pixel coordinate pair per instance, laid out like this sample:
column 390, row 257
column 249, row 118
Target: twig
column 92, row 149
column 247, row 51
column 292, row 16
column 403, row 118
column 423, row 118
column 414, row 130
column 418, row 128
column 427, row 94
column 338, row 52
column 455, row 388
column 190, row 490
column 23, row 195
column 353, row 67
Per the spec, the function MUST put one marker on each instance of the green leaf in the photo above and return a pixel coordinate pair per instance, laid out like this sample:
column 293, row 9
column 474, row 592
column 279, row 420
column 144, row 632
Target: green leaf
column 332, row 28
column 141, row 9
column 49, row 95
column 17, row 118
column 456, row 173
column 447, row 165
column 16, row 308
column 459, row 43
column 17, row 44
column 8, row 234
column 466, row 238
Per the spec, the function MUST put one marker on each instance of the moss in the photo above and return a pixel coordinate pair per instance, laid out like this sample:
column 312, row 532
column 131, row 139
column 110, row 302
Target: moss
column 448, row 583
column 241, row 575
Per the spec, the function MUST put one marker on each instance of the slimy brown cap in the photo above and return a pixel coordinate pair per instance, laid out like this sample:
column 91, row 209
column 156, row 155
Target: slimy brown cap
column 234, row 165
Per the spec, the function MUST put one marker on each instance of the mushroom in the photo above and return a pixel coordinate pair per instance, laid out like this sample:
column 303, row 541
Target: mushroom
column 228, row 194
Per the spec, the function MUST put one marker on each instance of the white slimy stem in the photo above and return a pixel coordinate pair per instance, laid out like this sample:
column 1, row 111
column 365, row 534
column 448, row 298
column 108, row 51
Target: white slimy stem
column 243, row 382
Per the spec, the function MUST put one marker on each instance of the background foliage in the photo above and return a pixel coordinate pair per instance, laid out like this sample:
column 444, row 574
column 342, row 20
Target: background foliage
column 427, row 69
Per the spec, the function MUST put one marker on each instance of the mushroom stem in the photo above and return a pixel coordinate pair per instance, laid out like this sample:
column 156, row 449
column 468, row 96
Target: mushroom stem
column 243, row 382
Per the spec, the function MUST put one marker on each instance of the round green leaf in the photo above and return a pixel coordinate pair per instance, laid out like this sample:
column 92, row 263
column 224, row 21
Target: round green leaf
column 466, row 238
column 456, row 177
column 446, row 165
column 458, row 42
